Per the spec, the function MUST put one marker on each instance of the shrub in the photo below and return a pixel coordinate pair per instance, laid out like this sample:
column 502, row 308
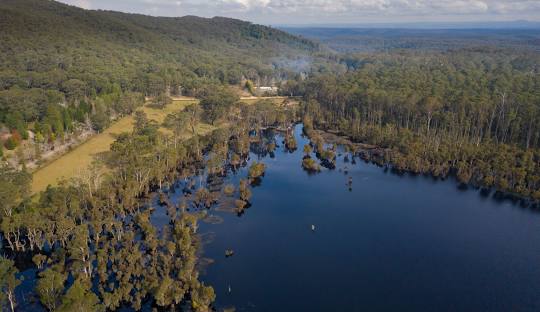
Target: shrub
column 256, row 170
column 310, row 165
column 249, row 86
column 11, row 143
column 245, row 192
column 240, row 204
column 290, row 143
column 229, row 190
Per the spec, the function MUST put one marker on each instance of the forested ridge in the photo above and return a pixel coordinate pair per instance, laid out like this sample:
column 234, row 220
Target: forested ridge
column 60, row 64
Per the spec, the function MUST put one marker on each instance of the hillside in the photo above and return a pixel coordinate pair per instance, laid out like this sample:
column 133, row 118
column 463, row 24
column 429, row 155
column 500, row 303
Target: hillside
column 60, row 63
column 41, row 36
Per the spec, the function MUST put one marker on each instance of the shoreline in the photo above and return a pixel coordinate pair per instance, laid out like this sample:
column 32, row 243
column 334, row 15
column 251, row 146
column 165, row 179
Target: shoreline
column 373, row 154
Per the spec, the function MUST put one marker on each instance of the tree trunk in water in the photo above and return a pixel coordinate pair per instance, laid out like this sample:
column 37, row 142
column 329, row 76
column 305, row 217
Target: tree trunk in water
column 11, row 300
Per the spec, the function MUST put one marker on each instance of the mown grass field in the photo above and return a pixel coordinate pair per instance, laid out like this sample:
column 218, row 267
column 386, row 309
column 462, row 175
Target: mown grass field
column 79, row 159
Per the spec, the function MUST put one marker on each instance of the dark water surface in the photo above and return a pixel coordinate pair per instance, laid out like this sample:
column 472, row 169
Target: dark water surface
column 393, row 243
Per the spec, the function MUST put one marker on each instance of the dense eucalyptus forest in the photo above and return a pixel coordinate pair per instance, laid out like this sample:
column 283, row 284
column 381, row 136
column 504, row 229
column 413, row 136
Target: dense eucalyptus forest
column 470, row 111
column 462, row 113
column 95, row 229
column 61, row 66
column 89, row 239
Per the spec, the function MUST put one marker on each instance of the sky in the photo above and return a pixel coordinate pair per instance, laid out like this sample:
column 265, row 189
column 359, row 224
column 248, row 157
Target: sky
column 312, row 12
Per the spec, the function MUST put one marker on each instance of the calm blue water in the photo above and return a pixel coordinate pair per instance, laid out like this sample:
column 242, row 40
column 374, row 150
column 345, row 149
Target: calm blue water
column 393, row 243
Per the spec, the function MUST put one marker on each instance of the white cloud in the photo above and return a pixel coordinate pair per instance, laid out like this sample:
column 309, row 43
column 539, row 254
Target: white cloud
column 86, row 4
column 329, row 11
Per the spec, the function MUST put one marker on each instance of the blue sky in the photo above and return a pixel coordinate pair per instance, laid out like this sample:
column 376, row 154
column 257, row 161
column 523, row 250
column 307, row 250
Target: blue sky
column 276, row 12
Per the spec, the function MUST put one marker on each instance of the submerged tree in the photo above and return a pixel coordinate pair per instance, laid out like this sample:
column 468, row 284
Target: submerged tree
column 245, row 192
column 79, row 297
column 290, row 143
column 310, row 165
column 50, row 287
column 256, row 170
column 307, row 150
column 8, row 282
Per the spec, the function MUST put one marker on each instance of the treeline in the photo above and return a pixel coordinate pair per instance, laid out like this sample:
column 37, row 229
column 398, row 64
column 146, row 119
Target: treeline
column 475, row 114
column 91, row 239
column 384, row 40
column 91, row 66
column 51, row 116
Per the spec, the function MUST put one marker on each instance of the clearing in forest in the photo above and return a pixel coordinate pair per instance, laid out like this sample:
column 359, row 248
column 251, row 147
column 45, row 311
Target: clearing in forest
column 79, row 159
column 74, row 162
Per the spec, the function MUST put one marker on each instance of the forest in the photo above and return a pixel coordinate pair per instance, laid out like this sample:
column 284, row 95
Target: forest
column 472, row 113
column 95, row 229
column 447, row 105
column 433, row 38
column 63, row 68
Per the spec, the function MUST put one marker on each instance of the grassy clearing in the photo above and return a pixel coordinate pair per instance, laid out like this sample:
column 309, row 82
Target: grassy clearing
column 276, row 100
column 77, row 160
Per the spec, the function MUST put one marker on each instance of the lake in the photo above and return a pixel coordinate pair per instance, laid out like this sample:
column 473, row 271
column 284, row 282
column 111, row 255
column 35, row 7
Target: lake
column 394, row 242
column 390, row 243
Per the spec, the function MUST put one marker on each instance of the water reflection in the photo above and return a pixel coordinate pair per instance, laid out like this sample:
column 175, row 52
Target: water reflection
column 385, row 241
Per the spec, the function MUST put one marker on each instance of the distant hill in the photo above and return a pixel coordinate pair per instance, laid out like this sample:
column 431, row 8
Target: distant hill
column 41, row 36
column 517, row 24
column 373, row 39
